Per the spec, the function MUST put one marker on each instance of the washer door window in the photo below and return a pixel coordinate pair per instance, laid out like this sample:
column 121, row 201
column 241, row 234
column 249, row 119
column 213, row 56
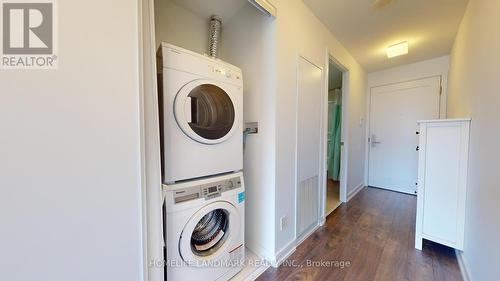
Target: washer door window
column 205, row 111
column 208, row 234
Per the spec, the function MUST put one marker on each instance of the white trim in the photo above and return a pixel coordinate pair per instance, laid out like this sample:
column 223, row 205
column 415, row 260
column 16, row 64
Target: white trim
column 305, row 236
column 330, row 58
column 355, row 191
column 462, row 265
column 266, row 7
column 444, row 120
column 344, row 164
column 257, row 248
column 422, row 142
column 283, row 254
column 144, row 213
column 367, row 134
column 290, row 248
column 152, row 226
column 328, row 212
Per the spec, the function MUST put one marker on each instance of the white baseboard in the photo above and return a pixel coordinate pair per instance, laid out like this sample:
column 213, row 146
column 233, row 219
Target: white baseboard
column 288, row 250
column 462, row 265
column 355, row 191
column 283, row 254
column 250, row 271
column 305, row 236
column 256, row 248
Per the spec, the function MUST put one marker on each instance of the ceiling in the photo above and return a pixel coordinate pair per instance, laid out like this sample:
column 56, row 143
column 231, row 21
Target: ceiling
column 367, row 27
column 225, row 9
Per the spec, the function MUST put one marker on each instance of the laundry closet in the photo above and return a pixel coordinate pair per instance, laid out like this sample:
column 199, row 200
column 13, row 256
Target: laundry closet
column 217, row 130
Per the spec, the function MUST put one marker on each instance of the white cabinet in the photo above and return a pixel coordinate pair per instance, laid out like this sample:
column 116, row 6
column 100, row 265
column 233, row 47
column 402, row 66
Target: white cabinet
column 442, row 181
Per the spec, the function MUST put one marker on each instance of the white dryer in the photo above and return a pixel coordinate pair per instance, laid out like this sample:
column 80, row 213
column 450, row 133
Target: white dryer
column 202, row 111
column 204, row 228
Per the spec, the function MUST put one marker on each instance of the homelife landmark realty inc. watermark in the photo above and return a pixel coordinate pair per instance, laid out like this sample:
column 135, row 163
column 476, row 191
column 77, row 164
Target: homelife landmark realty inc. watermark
column 29, row 37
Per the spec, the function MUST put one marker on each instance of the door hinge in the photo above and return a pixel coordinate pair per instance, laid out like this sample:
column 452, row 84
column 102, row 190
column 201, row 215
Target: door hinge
column 440, row 89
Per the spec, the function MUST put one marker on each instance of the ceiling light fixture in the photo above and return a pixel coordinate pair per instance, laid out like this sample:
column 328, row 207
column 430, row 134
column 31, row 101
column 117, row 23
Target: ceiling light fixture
column 398, row 49
column 381, row 3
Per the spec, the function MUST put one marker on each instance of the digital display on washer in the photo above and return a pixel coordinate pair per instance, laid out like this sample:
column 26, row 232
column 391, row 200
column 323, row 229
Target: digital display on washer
column 212, row 189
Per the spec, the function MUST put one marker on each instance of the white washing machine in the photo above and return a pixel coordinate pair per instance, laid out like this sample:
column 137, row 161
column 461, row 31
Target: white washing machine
column 204, row 228
column 202, row 112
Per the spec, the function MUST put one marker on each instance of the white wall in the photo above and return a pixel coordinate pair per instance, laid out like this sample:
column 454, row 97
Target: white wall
column 474, row 90
column 70, row 194
column 424, row 69
column 181, row 27
column 418, row 70
column 249, row 42
column 299, row 32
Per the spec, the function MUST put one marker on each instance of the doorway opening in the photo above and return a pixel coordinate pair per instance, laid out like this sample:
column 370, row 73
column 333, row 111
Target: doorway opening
column 335, row 150
column 334, row 129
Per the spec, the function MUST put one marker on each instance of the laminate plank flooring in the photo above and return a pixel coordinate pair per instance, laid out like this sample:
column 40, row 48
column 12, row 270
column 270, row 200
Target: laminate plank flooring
column 370, row 238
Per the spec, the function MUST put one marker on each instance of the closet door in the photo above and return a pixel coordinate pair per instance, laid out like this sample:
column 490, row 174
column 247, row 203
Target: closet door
column 309, row 114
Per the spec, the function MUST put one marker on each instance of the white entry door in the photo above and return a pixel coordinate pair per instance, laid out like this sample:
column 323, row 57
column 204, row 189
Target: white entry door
column 394, row 111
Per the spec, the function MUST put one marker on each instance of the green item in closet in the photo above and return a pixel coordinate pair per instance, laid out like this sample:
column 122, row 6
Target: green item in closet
column 334, row 133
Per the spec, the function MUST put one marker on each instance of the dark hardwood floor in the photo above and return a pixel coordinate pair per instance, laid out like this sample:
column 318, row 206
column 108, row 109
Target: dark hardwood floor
column 375, row 234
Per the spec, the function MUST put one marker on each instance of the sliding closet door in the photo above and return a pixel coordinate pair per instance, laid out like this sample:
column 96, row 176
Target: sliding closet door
column 310, row 84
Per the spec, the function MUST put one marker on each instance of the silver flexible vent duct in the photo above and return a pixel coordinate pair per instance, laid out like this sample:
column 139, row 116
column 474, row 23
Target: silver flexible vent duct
column 214, row 33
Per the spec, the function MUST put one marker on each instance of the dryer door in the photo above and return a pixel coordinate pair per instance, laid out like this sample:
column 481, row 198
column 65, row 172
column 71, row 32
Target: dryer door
column 209, row 233
column 206, row 111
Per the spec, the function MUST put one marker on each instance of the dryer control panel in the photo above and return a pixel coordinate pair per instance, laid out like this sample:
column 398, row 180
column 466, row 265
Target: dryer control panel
column 207, row 191
column 225, row 73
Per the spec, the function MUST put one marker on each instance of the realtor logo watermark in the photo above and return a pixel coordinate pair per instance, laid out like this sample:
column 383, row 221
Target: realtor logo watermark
column 28, row 34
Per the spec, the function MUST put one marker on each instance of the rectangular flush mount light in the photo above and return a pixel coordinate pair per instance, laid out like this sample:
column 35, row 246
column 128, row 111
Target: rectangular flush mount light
column 397, row 50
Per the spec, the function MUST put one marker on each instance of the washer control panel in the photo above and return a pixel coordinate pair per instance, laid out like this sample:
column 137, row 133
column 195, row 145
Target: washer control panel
column 207, row 191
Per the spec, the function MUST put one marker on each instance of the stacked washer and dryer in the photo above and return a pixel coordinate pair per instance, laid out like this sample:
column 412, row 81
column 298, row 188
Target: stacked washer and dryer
column 202, row 150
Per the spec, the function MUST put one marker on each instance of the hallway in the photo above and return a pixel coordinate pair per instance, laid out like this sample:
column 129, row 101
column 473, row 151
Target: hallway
column 375, row 233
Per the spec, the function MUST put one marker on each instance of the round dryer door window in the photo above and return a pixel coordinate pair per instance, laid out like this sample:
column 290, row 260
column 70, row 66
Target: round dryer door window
column 209, row 233
column 205, row 111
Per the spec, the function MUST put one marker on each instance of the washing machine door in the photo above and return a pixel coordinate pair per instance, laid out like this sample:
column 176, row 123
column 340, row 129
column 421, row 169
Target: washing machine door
column 206, row 111
column 207, row 236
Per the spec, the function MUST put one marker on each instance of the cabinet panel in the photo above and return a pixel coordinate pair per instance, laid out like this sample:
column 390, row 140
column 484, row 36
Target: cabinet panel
column 441, row 182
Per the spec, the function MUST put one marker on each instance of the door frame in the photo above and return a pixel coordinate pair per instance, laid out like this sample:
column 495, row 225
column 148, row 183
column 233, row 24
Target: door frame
column 151, row 184
column 330, row 58
column 442, row 110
